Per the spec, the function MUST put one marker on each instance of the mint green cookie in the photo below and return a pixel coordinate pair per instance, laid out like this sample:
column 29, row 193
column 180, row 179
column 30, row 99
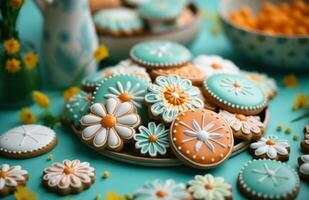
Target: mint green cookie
column 160, row 53
column 268, row 179
column 162, row 10
column 126, row 88
column 77, row 107
column 235, row 93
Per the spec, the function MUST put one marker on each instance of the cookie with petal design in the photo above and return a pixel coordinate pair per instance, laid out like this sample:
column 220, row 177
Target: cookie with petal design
column 303, row 171
column 201, row 138
column 305, row 142
column 68, row 177
column 11, row 177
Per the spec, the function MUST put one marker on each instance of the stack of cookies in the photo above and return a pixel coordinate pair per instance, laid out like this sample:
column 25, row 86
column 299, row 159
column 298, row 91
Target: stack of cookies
column 161, row 103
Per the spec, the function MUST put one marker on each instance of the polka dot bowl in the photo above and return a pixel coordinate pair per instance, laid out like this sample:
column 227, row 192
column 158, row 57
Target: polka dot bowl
column 284, row 52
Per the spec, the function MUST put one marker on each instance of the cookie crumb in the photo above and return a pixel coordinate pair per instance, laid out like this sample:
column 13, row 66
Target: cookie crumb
column 287, row 131
column 279, row 128
column 49, row 157
column 295, row 137
column 106, row 174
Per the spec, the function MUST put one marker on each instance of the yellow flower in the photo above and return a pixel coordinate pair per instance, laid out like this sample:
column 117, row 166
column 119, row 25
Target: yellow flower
column 290, row 81
column 22, row 193
column 30, row 60
column 69, row 93
column 26, row 116
column 113, row 196
column 41, row 99
column 100, row 53
column 301, row 101
column 17, row 3
column 11, row 46
column 12, row 65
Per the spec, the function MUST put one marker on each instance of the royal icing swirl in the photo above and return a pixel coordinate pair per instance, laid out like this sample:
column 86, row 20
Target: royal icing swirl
column 12, row 176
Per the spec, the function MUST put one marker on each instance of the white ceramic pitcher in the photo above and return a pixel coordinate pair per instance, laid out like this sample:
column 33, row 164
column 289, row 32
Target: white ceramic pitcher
column 69, row 40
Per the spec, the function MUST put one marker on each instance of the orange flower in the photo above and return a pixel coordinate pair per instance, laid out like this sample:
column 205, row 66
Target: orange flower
column 17, row 3
column 69, row 93
column 100, row 53
column 30, row 60
column 11, row 46
column 12, row 65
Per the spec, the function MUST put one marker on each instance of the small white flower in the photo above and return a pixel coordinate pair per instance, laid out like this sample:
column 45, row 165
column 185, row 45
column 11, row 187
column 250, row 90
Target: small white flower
column 10, row 176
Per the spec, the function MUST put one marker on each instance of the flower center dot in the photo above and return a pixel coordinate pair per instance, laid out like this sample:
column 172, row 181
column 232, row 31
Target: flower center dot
column 270, row 142
column 208, row 186
column 161, row 193
column 216, row 66
column 236, row 85
column 175, row 97
column 241, row 117
column 109, row 121
column 152, row 138
column 90, row 98
column 2, row 174
column 68, row 170
column 125, row 96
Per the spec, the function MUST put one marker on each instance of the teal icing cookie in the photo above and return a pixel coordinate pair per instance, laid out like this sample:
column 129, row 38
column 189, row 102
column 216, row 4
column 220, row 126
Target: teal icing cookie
column 162, row 10
column 91, row 81
column 160, row 54
column 118, row 21
column 235, row 93
column 126, row 88
column 77, row 107
column 268, row 179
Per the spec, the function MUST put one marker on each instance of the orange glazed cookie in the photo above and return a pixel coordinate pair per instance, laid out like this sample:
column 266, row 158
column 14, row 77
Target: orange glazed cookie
column 201, row 138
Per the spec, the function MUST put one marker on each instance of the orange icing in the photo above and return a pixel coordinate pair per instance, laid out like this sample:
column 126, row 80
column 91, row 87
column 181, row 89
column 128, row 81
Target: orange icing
column 68, row 170
column 241, row 117
column 175, row 97
column 161, row 193
column 270, row 142
column 125, row 96
column 152, row 138
column 109, row 121
column 216, row 66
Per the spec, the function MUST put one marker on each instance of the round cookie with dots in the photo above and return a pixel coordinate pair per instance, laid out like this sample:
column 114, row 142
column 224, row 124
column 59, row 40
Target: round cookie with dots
column 189, row 71
column 213, row 64
column 127, row 88
column 305, row 142
column 234, row 93
column 11, row 177
column 27, row 141
column 201, row 138
column 91, row 81
column 160, row 54
column 77, row 107
column 303, row 171
column 268, row 179
column 68, row 177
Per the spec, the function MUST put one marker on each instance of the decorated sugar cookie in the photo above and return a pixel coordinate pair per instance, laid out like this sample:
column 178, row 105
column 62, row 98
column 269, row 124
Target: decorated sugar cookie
column 118, row 21
column 10, row 178
column 127, row 88
column 170, row 95
column 90, row 82
column 27, row 141
column 162, row 190
column 234, row 93
column 303, row 171
column 189, row 71
column 268, row 179
column 210, row 188
column 244, row 127
column 213, row 64
column 77, row 107
column 305, row 142
column 109, row 125
column 68, row 177
column 127, row 67
column 160, row 54
column 152, row 140
column 267, row 84
column 201, row 138
column 270, row 147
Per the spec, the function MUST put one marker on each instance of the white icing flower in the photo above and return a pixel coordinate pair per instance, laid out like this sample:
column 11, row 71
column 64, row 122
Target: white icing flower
column 160, row 51
column 271, row 146
column 213, row 64
column 110, row 124
column 271, row 173
column 68, row 174
column 245, row 124
column 158, row 190
column 304, row 168
column 209, row 188
column 10, row 176
column 127, row 92
column 236, row 86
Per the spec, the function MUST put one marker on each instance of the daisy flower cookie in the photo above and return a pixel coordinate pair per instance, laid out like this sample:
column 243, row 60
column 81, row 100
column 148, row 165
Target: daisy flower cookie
column 152, row 140
column 270, row 147
column 209, row 188
column 303, row 171
column 27, row 141
column 170, row 95
column 127, row 88
column 77, row 107
column 267, row 84
column 212, row 64
column 160, row 54
column 162, row 190
column 268, row 179
column 10, row 178
column 234, row 93
column 201, row 138
column 244, row 127
column 305, row 142
column 68, row 177
column 109, row 125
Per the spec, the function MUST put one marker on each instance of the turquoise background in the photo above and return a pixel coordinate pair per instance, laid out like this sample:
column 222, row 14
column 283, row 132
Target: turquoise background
column 126, row 177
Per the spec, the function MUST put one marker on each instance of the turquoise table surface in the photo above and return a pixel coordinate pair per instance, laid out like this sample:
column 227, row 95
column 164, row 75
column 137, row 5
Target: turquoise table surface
column 126, row 177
